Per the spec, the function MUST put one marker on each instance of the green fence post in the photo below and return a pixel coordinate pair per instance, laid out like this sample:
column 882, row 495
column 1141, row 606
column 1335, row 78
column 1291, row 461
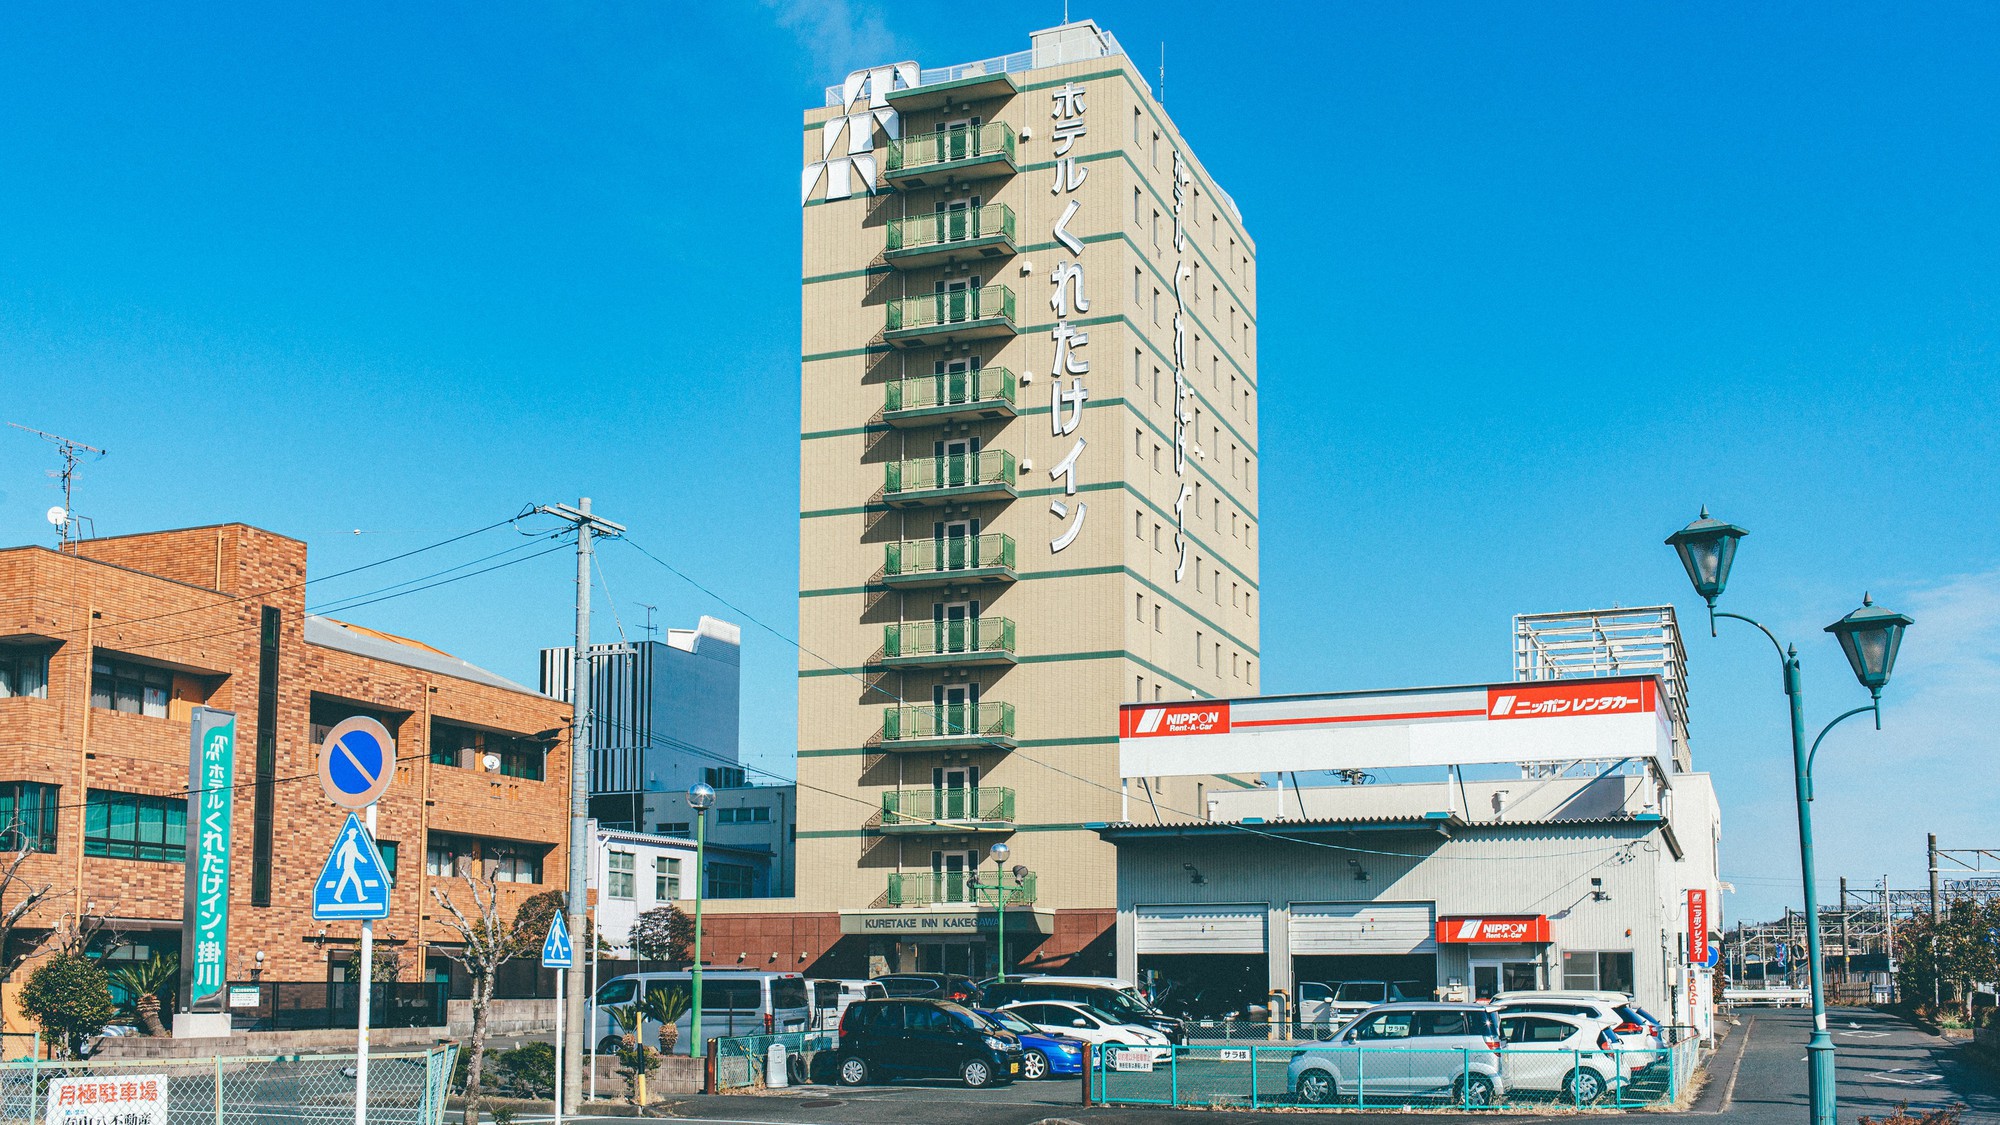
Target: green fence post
column 1174, row 1075
column 1465, row 1077
column 1253, row 1078
column 1361, row 1078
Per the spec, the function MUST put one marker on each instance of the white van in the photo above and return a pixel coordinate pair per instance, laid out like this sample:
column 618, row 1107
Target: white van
column 733, row 1002
column 830, row 999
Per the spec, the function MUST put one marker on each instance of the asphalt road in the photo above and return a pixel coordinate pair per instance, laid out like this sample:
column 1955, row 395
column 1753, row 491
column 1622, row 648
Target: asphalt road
column 1759, row 1078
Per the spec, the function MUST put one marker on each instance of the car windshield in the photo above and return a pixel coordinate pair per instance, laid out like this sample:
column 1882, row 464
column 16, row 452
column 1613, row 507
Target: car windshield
column 962, row 1014
column 1368, row 992
column 1009, row 1021
column 1119, row 1003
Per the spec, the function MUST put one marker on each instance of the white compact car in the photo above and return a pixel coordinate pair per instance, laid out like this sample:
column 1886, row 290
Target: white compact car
column 1575, row 1056
column 1060, row 1017
column 1636, row 1032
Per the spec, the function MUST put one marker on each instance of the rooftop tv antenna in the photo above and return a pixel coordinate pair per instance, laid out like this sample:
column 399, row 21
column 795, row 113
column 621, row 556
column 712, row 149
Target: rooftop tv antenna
column 72, row 452
column 650, row 627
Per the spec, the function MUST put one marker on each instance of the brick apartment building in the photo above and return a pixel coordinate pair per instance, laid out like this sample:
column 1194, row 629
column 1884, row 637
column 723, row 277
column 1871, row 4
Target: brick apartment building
column 107, row 645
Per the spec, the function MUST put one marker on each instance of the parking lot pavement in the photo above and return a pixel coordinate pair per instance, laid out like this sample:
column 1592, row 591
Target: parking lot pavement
column 1881, row 1061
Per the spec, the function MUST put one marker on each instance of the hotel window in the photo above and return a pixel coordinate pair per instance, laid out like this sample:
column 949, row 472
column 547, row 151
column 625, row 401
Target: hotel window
column 135, row 826
column 1156, row 693
column 1138, row 443
column 1218, row 658
column 1197, row 566
column 1157, row 618
column 672, row 828
column 1248, row 596
column 1156, row 367
column 24, row 672
column 1597, row 972
column 618, row 877
column 1250, row 672
column 1138, row 523
column 1138, row 369
column 730, row 880
column 1156, row 151
column 1138, row 689
column 1233, row 459
column 1199, row 640
column 1156, row 320
column 1233, row 588
column 1135, row 125
column 1135, row 208
column 1139, row 607
column 666, row 878
column 1156, row 229
column 27, row 816
column 136, row 689
column 1138, row 285
column 1156, row 535
column 1156, row 468
column 1235, row 669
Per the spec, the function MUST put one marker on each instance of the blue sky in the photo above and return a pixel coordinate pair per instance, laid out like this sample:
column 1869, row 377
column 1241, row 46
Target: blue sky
column 1536, row 282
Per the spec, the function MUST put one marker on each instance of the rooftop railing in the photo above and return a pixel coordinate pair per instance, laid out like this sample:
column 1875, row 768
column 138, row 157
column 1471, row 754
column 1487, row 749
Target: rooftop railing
column 1054, row 54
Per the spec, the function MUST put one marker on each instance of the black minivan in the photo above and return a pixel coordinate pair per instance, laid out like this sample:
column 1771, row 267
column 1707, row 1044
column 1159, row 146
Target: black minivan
column 883, row 1039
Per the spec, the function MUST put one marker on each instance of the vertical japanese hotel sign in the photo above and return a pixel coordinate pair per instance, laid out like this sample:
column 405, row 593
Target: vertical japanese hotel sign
column 1066, row 404
column 1183, row 390
column 205, row 909
column 1697, row 942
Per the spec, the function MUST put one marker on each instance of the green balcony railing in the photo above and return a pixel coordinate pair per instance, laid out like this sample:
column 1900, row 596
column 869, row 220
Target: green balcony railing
column 932, row 888
column 951, row 388
column 978, row 636
column 952, row 306
column 951, row 146
column 961, row 470
column 948, row 720
column 944, row 228
column 922, row 557
column 927, row 807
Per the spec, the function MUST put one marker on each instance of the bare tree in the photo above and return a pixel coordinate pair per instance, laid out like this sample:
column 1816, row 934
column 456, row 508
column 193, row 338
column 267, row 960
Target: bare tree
column 12, row 953
column 486, row 942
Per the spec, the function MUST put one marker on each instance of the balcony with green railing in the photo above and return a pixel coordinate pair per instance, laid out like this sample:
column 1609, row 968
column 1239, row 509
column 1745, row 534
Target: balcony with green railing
column 949, row 560
column 957, row 888
column 917, row 241
column 916, row 812
column 985, row 475
column 924, row 727
column 950, row 396
column 956, row 314
column 965, row 152
column 953, row 642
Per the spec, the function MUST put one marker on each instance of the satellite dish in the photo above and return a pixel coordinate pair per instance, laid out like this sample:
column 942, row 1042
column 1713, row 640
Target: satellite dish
column 58, row 515
column 492, row 762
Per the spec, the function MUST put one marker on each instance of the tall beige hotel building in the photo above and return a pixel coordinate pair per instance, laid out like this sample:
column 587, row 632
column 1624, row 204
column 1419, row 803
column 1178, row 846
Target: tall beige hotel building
column 1028, row 478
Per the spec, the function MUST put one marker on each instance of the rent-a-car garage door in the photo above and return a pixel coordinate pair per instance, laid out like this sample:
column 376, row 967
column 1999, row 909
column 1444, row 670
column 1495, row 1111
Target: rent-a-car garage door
column 1354, row 928
column 1201, row 929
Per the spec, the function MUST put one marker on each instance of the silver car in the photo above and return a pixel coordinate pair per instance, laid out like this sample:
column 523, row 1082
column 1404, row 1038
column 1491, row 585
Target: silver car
column 1403, row 1051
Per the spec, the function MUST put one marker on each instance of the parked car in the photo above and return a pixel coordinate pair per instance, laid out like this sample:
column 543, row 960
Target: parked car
column 933, row 986
column 1120, row 1005
column 1407, row 1049
column 733, row 1002
column 830, row 999
column 1573, row 1055
column 917, row 1038
column 1351, row 998
column 1042, row 1052
column 1638, row 1032
column 1080, row 1021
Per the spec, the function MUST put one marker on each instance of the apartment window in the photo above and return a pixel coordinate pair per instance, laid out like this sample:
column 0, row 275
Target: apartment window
column 1156, row 535
column 1156, row 229
column 1586, row 971
column 136, row 689
column 1156, row 314
column 1156, row 377
column 1139, row 607
column 1234, row 668
column 1197, row 569
column 1138, row 522
column 1156, row 693
column 1250, row 672
column 1136, row 205
column 1138, row 442
column 1248, row 599
column 135, row 826
column 388, row 848
column 619, row 881
column 1218, row 658
column 1156, row 459
column 723, row 777
column 1157, row 618
column 24, row 672
column 1199, row 641
column 449, row 744
column 1135, row 125
column 453, row 745
column 753, row 814
column 1233, row 458
column 730, row 880
column 1214, row 370
column 666, row 878
column 1232, row 391
column 27, row 816
column 1138, row 689
column 1156, row 151
column 1233, row 589
column 442, row 853
column 673, row 827
column 1138, row 285
column 1232, row 523
column 513, row 863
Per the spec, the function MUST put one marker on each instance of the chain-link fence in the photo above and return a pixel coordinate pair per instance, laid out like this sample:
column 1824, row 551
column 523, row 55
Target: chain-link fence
column 741, row 1060
column 404, row 1088
column 1259, row 1075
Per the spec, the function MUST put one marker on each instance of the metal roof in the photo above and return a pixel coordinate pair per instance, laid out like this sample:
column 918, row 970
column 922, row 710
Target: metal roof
column 375, row 645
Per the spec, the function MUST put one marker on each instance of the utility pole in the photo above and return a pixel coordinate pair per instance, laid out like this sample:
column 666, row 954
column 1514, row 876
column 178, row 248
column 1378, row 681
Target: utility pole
column 1937, row 958
column 1846, row 944
column 1889, row 924
column 575, row 997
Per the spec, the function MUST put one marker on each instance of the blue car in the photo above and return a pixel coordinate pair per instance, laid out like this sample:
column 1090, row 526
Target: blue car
column 1042, row 1054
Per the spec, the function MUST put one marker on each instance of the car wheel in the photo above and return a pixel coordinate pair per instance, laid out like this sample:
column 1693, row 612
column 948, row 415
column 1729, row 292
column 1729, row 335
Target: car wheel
column 1316, row 1087
column 976, row 1073
column 853, row 1071
column 1034, row 1065
column 1476, row 1090
column 1583, row 1087
column 608, row 1045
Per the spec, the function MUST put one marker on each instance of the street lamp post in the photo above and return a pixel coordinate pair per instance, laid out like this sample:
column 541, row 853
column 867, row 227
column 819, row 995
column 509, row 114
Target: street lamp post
column 999, row 853
column 1869, row 637
column 700, row 797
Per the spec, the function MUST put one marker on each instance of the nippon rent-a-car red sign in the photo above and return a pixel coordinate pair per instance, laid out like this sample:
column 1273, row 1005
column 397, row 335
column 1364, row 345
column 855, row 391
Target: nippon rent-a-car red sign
column 1163, row 720
column 1569, row 697
column 1494, row 929
column 1697, row 937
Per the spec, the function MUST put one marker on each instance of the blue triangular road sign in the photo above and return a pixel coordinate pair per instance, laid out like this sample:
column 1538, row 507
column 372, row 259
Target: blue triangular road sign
column 355, row 882
column 556, row 951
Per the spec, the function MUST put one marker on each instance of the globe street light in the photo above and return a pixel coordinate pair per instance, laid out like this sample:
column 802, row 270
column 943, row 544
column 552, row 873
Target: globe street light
column 700, row 797
column 999, row 853
column 1870, row 637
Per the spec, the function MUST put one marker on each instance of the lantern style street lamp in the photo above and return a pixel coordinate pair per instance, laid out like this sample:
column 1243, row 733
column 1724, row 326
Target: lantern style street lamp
column 1870, row 637
column 700, row 797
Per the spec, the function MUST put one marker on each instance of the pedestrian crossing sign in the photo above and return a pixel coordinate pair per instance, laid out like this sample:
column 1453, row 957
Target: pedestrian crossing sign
column 355, row 882
column 556, row 952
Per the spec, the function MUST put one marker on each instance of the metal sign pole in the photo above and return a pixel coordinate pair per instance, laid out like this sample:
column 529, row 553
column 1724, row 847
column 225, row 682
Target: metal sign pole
column 590, row 1029
column 560, row 999
column 367, row 990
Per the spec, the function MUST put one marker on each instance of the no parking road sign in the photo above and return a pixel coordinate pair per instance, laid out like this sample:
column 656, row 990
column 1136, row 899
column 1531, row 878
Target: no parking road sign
column 356, row 762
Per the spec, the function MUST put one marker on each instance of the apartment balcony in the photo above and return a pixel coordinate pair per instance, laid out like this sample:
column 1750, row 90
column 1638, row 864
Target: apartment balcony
column 916, row 889
column 916, row 241
column 919, row 728
column 949, row 561
column 968, row 152
column 986, row 475
column 951, row 314
column 920, row 812
column 960, row 643
column 950, row 396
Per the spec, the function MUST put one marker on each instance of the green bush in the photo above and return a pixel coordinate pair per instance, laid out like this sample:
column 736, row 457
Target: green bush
column 70, row 996
column 530, row 1070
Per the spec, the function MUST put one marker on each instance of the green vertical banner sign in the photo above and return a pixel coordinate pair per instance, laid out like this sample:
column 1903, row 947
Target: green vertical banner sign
column 205, row 909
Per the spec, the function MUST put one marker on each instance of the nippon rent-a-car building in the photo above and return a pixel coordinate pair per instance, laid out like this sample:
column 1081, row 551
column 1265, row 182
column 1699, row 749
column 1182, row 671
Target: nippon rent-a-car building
column 1565, row 841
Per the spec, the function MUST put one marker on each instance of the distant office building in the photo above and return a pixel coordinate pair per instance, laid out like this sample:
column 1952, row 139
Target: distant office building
column 634, row 872
column 751, row 831
column 662, row 715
